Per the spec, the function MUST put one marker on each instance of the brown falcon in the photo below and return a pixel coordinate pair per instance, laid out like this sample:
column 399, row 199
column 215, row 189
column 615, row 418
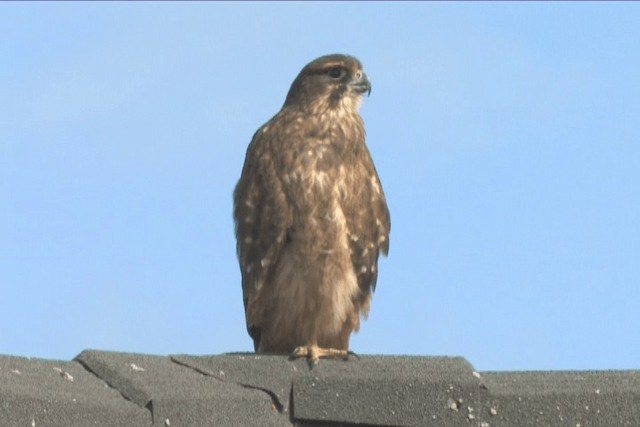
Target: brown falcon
column 311, row 217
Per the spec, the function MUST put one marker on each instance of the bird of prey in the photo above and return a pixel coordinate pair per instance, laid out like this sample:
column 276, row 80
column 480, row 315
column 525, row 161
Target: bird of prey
column 311, row 216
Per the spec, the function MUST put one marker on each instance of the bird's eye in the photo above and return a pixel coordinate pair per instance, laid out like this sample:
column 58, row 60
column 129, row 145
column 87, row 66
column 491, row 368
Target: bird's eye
column 336, row 72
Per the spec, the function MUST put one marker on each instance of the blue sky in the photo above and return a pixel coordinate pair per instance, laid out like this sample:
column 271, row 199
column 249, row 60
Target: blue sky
column 506, row 137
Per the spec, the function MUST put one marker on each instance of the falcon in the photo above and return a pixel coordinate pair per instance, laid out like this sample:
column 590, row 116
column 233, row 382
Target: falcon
column 311, row 217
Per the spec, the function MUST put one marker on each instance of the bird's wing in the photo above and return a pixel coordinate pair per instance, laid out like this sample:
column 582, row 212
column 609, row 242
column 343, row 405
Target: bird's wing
column 368, row 222
column 262, row 216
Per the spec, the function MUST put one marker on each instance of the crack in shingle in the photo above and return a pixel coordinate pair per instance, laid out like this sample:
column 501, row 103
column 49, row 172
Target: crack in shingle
column 279, row 406
column 115, row 387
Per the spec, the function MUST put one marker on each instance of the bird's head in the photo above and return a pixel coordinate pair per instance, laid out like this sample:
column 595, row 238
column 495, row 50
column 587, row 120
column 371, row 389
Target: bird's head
column 329, row 82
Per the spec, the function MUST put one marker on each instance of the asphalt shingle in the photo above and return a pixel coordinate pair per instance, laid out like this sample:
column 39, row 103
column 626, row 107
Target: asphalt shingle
column 392, row 391
column 119, row 389
column 177, row 395
column 269, row 373
column 606, row 398
column 36, row 393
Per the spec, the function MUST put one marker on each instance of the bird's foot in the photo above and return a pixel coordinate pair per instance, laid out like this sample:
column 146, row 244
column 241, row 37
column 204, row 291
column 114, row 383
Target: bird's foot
column 313, row 353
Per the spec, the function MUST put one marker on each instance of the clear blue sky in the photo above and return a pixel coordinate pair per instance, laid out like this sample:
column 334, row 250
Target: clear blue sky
column 506, row 135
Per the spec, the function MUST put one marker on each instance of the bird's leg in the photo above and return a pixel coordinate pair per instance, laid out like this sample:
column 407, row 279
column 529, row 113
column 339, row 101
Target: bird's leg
column 314, row 353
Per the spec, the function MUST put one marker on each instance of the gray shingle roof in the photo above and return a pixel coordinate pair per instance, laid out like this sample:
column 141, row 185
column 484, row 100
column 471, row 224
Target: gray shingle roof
column 119, row 389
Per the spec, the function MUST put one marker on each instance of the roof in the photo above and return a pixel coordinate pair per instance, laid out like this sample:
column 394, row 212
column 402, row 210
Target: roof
column 104, row 388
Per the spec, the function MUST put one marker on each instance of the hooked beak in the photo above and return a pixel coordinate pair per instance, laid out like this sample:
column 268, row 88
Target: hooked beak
column 361, row 85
